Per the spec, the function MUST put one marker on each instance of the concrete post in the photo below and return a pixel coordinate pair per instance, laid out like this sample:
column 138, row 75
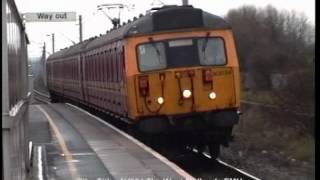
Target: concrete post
column 80, row 28
column 5, row 78
column 52, row 43
column 185, row 2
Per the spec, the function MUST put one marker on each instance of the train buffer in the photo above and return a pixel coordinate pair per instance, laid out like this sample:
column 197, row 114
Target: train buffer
column 70, row 143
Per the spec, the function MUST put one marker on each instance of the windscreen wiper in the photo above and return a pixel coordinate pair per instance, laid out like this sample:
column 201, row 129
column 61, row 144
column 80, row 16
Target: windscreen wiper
column 156, row 48
column 204, row 46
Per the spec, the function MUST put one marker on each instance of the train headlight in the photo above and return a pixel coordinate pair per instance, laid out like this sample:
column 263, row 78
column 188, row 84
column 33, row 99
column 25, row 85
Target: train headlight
column 186, row 93
column 160, row 100
column 212, row 95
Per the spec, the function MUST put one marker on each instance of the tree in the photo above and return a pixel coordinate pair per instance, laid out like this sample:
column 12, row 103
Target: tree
column 271, row 41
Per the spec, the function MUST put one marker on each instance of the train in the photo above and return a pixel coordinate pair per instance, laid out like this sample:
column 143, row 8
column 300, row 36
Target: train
column 172, row 71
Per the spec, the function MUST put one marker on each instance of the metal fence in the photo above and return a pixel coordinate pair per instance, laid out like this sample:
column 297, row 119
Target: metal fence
column 15, row 96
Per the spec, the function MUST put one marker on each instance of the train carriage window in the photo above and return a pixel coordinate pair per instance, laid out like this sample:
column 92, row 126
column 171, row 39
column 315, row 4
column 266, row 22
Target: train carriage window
column 120, row 61
column 152, row 56
column 69, row 69
column 73, row 70
column 105, row 72
column 76, row 68
column 119, row 65
column 113, row 77
column 111, row 66
column 89, row 67
column 64, row 73
column 97, row 67
column 85, row 68
column 101, row 67
column 93, row 67
column 211, row 51
column 108, row 66
column 123, row 64
column 71, row 66
column 116, row 65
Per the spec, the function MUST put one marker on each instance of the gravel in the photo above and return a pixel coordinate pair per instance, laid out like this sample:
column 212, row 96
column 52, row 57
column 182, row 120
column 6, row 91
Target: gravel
column 267, row 164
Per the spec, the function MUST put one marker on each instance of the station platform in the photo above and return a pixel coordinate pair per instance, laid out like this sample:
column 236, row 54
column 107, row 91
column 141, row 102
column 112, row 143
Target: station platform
column 70, row 143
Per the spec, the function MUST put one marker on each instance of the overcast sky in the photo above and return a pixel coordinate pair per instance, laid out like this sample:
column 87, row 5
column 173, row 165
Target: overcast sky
column 95, row 22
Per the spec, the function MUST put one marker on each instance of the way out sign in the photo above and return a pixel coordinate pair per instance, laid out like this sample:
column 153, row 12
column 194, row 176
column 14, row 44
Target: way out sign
column 50, row 16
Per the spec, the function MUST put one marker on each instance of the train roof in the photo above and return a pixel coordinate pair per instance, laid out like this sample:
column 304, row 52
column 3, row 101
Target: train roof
column 163, row 19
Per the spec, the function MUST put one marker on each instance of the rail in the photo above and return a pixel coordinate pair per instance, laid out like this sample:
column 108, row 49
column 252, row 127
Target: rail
column 41, row 96
column 245, row 174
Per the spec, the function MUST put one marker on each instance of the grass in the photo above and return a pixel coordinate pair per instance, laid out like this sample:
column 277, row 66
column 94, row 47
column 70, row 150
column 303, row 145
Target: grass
column 303, row 148
column 261, row 130
column 258, row 96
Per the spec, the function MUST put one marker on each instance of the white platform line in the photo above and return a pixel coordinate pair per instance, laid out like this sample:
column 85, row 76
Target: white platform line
column 40, row 169
column 30, row 151
column 180, row 171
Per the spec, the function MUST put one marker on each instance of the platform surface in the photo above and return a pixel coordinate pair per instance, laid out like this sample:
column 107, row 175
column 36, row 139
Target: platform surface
column 80, row 146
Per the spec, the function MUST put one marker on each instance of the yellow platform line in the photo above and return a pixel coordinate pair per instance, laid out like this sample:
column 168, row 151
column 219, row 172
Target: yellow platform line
column 68, row 156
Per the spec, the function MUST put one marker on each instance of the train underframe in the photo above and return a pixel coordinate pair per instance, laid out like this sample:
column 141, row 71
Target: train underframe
column 204, row 131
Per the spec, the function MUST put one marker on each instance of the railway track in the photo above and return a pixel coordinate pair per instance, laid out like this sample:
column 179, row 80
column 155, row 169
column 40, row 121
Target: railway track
column 202, row 166
column 199, row 165
column 41, row 97
column 213, row 165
